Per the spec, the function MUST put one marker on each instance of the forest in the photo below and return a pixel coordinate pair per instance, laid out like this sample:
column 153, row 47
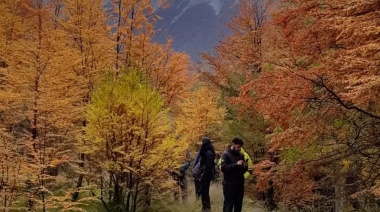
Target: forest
column 93, row 113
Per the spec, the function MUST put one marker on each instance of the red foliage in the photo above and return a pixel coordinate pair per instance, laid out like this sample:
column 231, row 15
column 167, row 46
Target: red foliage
column 275, row 94
column 295, row 187
column 264, row 172
column 325, row 59
column 342, row 40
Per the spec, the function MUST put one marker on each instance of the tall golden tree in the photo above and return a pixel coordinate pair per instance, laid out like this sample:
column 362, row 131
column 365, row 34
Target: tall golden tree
column 83, row 28
column 41, row 97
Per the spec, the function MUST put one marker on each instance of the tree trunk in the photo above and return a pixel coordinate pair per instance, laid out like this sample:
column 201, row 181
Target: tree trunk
column 80, row 179
column 339, row 190
column 81, row 165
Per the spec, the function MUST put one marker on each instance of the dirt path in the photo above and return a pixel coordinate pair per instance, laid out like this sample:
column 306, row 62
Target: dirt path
column 216, row 195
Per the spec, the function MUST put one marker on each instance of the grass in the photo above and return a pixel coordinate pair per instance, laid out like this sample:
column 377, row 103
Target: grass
column 169, row 205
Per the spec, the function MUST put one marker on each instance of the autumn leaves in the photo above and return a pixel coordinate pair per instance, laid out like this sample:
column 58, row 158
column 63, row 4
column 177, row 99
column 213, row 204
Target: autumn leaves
column 89, row 105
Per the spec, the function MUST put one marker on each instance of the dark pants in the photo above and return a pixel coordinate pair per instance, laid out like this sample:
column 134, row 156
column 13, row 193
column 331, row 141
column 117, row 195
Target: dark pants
column 233, row 198
column 205, row 193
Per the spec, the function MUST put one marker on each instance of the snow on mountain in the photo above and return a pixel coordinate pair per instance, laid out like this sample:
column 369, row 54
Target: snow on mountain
column 216, row 6
column 195, row 25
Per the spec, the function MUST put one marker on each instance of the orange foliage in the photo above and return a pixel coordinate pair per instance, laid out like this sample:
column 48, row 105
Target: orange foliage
column 311, row 57
column 295, row 187
column 274, row 94
column 264, row 172
column 338, row 49
column 132, row 32
column 167, row 71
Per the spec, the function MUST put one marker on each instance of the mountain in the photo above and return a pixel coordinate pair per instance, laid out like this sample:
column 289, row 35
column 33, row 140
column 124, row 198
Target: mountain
column 195, row 25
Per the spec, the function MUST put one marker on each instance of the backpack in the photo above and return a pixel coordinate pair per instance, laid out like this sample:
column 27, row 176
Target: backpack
column 198, row 170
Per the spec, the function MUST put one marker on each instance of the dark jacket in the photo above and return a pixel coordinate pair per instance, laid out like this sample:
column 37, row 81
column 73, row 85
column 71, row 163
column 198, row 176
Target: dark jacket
column 207, row 159
column 233, row 173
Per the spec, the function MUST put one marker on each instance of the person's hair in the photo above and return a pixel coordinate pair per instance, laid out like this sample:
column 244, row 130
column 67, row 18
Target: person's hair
column 206, row 141
column 206, row 146
column 238, row 141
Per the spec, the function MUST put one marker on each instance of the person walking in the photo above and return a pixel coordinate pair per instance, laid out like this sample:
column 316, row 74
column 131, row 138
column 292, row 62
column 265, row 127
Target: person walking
column 233, row 167
column 207, row 167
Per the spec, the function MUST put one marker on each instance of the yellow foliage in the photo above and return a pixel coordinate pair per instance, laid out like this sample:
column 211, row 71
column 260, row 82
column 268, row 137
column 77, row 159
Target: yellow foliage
column 129, row 135
column 200, row 115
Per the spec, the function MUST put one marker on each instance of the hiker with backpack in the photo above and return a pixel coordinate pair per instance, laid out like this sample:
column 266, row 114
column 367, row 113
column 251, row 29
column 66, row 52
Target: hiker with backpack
column 204, row 170
column 233, row 166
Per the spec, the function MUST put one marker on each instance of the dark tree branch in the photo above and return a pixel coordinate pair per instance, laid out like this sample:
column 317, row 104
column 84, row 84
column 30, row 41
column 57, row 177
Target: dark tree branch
column 320, row 82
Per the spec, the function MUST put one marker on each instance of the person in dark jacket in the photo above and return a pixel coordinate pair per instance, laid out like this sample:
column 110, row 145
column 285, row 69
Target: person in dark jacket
column 207, row 157
column 233, row 167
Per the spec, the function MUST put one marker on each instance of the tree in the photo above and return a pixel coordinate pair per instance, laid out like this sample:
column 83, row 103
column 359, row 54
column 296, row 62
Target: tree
column 131, row 142
column 11, row 170
column 41, row 95
column 12, row 163
column 236, row 59
column 241, row 53
column 320, row 75
column 83, row 28
column 132, row 30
